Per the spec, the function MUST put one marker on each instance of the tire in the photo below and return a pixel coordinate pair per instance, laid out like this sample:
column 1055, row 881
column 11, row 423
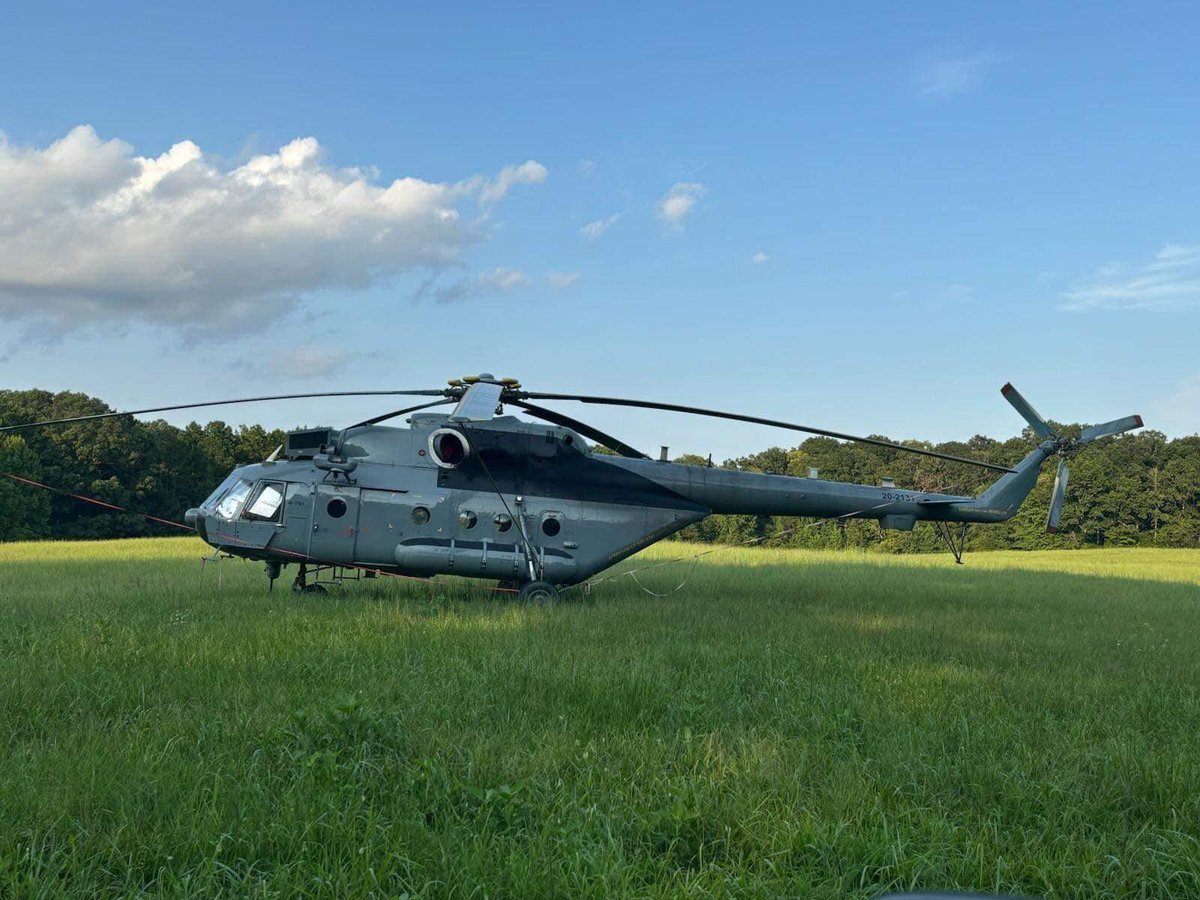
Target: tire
column 540, row 593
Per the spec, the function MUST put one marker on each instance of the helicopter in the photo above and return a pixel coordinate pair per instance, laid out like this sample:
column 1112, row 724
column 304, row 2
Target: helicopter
column 481, row 493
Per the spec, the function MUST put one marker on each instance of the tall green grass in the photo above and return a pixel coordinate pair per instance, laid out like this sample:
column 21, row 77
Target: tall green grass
column 786, row 723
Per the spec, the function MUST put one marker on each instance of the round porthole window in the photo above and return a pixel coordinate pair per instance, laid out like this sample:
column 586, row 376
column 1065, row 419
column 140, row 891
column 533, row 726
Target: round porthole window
column 336, row 508
column 551, row 526
column 466, row 519
column 503, row 522
column 420, row 515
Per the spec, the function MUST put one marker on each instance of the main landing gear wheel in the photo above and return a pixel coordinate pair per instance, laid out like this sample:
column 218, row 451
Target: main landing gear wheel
column 540, row 593
column 301, row 585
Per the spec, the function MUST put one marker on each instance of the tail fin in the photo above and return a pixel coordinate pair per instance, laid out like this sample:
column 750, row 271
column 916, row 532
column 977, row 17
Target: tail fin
column 1004, row 496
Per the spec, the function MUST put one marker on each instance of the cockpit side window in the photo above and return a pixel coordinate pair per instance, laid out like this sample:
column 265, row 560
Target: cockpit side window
column 231, row 504
column 267, row 504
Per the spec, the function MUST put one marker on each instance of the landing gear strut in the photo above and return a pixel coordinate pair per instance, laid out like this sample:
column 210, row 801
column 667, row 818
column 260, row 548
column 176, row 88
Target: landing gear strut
column 301, row 585
column 955, row 542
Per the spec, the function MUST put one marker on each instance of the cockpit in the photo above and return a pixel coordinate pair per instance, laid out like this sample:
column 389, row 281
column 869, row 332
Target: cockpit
column 259, row 501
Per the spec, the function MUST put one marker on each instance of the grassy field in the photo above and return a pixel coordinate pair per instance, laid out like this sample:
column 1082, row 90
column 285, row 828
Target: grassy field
column 787, row 723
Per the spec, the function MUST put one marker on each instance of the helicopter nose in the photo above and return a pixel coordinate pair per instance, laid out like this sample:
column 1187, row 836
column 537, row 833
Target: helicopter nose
column 195, row 518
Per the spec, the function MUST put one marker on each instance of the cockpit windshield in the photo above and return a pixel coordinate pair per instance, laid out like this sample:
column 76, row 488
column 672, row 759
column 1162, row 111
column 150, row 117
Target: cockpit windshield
column 231, row 504
column 219, row 491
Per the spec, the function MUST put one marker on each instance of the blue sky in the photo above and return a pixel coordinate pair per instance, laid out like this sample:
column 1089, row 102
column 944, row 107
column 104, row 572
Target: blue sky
column 866, row 218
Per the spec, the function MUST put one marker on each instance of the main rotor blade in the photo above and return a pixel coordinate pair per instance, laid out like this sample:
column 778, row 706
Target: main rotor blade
column 606, row 440
column 154, row 409
column 1116, row 426
column 1028, row 413
column 397, row 412
column 716, row 414
column 1056, row 498
column 479, row 403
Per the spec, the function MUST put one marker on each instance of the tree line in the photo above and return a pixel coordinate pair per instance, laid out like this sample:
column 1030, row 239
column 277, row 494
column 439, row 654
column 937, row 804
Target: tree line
column 1132, row 489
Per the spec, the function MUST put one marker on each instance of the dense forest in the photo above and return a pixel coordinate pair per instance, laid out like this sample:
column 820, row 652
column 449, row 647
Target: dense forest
column 1133, row 489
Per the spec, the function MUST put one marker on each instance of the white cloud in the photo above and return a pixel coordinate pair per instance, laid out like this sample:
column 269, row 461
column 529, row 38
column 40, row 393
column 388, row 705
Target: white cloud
column 561, row 280
column 947, row 76
column 529, row 172
column 1169, row 281
column 500, row 280
column 593, row 230
column 89, row 231
column 759, row 258
column 586, row 168
column 680, row 202
column 503, row 279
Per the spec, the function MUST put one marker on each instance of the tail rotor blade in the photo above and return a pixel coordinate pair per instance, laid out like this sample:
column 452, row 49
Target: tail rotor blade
column 1056, row 498
column 1028, row 413
column 1116, row 426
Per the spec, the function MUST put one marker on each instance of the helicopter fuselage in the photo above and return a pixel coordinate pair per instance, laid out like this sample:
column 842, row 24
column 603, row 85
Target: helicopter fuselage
column 520, row 501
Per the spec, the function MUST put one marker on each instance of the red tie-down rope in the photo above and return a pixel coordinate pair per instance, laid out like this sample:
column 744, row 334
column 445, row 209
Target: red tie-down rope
column 112, row 507
column 101, row 503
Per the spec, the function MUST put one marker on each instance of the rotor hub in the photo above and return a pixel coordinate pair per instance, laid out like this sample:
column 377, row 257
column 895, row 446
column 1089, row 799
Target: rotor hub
column 510, row 387
column 1067, row 447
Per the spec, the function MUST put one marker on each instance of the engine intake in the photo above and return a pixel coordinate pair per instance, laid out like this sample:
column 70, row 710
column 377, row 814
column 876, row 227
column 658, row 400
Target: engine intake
column 449, row 448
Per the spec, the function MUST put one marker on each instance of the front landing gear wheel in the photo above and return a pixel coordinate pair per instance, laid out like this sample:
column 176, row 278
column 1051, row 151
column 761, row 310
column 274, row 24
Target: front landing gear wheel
column 541, row 593
column 301, row 588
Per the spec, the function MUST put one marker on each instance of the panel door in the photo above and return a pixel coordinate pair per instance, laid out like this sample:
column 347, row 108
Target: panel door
column 334, row 524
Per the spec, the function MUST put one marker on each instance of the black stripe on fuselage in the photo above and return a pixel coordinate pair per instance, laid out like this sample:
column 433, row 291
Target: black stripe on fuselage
column 546, row 466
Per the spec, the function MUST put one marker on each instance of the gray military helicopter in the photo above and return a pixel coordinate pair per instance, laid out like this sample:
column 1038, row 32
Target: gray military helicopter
column 481, row 494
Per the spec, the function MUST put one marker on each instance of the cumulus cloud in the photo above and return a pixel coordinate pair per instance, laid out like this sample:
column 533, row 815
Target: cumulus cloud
column 759, row 258
column 1171, row 280
column 529, row 172
column 593, row 230
column 561, row 280
column 89, row 231
column 680, row 202
column 947, row 76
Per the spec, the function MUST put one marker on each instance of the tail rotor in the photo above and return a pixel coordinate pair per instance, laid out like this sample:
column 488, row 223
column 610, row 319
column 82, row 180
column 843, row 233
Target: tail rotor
column 1116, row 426
column 1056, row 497
column 1065, row 447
